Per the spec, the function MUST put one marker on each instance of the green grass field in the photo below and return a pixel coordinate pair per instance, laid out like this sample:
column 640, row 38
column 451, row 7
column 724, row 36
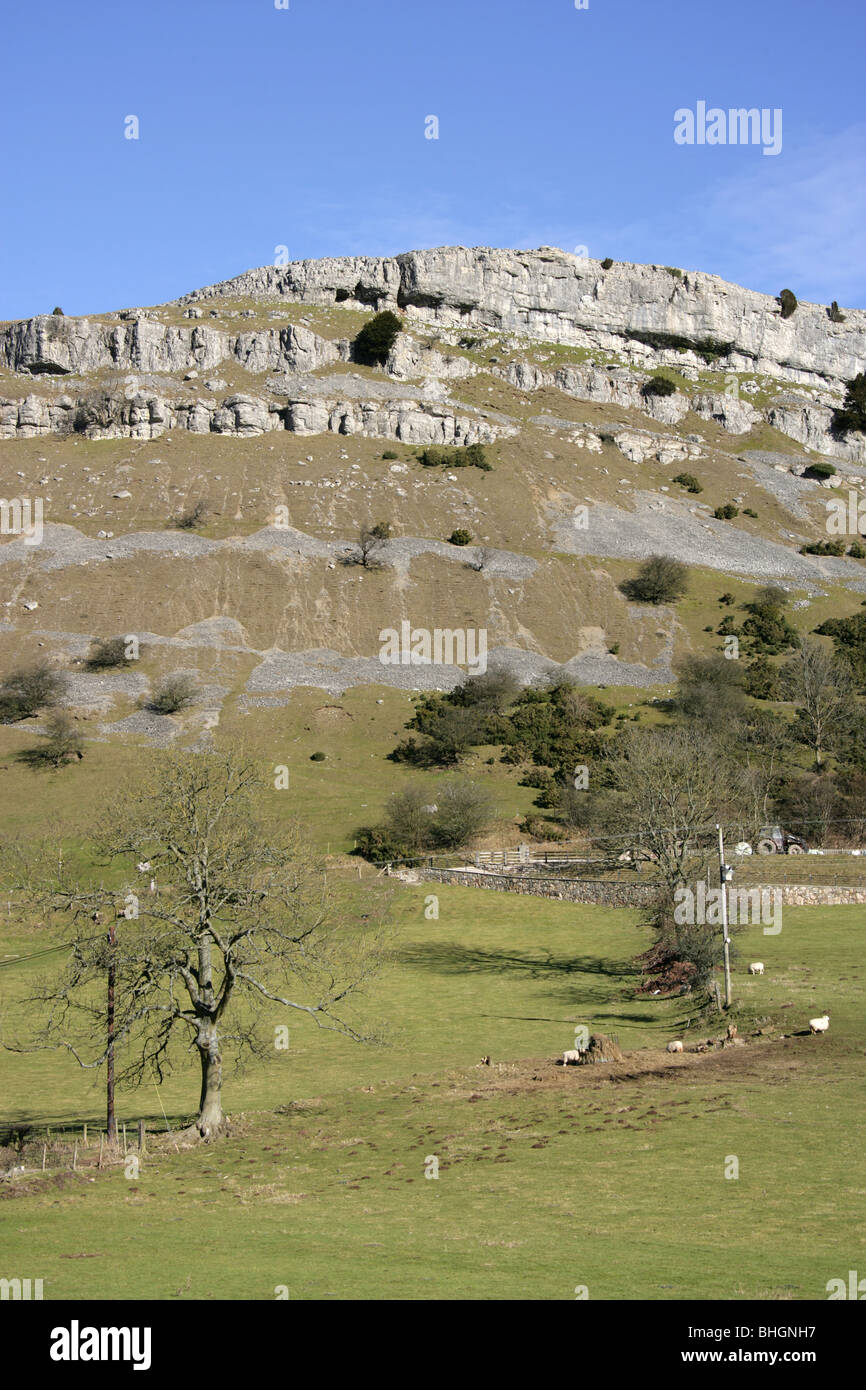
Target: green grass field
column 609, row 1177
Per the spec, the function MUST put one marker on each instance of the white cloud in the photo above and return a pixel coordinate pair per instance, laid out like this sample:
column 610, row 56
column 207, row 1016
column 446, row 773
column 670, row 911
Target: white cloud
column 797, row 220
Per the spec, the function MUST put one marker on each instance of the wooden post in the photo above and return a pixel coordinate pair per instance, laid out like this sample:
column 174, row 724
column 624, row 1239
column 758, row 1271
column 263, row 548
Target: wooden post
column 75, row 1156
column 141, row 1136
column 101, row 1139
column 85, row 1136
column 44, row 1152
column 124, row 1139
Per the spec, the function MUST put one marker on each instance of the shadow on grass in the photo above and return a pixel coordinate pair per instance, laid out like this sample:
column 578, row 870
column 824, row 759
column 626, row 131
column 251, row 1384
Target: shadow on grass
column 43, row 760
column 453, row 958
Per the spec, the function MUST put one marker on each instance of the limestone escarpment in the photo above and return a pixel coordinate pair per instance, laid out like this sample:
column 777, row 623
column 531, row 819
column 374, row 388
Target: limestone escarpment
column 631, row 319
column 55, row 345
column 552, row 296
column 143, row 414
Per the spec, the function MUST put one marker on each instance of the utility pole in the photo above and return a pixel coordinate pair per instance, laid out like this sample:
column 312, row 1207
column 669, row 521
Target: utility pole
column 111, row 1122
column 725, row 875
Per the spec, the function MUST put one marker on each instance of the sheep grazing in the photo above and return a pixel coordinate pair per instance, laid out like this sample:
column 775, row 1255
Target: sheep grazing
column 731, row 1030
column 675, row 1046
column 756, row 968
column 820, row 1025
column 571, row 1058
column 485, row 1062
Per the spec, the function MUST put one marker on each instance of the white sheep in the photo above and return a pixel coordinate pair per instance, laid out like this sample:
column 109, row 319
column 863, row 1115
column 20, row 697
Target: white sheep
column 820, row 1025
column 756, row 968
column 675, row 1046
column 571, row 1058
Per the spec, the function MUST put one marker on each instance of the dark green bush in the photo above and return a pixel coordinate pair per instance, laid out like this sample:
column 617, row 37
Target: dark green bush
column 851, row 416
column 660, row 579
column 688, row 481
column 766, row 628
column 857, row 551
column 467, row 456
column 849, row 638
column 727, row 512
column 460, row 537
column 762, row 679
column 748, row 511
column 318, row 757
column 377, row 338
column 788, row 301
column 58, row 311
column 390, row 454
column 835, row 547
column 606, row 263
column 819, row 470
column 658, row 386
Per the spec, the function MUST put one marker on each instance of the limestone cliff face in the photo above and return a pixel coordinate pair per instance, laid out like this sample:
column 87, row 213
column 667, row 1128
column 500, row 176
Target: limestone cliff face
column 147, row 415
column 552, row 296
column 648, row 316
column 51, row 345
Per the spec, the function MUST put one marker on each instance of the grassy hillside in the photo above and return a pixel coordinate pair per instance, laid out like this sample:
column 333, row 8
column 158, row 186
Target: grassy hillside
column 548, row 1178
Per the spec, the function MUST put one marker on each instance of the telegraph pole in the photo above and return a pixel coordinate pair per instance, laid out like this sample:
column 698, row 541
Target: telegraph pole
column 111, row 1122
column 725, row 875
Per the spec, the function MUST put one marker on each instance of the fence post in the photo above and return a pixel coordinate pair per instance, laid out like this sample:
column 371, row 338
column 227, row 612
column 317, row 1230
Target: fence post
column 75, row 1155
column 141, row 1136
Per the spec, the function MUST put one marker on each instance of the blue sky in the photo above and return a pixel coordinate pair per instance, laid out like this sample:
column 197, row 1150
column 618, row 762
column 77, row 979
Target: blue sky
column 305, row 127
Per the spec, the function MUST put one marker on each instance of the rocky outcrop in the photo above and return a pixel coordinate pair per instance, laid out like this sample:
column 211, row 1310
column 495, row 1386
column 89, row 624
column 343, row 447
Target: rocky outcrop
column 409, row 360
column 608, row 386
column 734, row 415
column 810, row 424
column 147, row 415
column 55, row 346
column 806, row 421
column 550, row 295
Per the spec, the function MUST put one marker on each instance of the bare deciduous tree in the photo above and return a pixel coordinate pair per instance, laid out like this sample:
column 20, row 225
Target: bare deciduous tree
column 371, row 542
column 670, row 787
column 822, row 687
column 243, row 921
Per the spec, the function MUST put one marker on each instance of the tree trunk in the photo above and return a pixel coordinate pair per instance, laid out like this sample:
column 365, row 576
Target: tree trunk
column 210, row 1120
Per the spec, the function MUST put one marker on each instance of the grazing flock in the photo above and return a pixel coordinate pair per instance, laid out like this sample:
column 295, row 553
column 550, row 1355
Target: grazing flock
column 575, row 1056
